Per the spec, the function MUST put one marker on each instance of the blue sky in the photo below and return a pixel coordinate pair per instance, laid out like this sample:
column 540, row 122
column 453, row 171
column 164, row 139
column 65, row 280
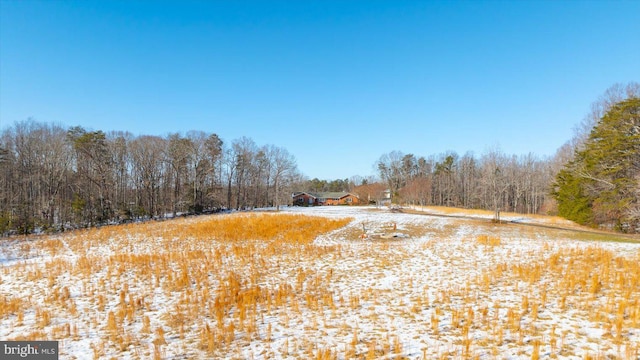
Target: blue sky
column 336, row 83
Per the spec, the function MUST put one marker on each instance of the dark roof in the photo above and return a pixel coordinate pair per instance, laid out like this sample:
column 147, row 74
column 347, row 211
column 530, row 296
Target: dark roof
column 326, row 194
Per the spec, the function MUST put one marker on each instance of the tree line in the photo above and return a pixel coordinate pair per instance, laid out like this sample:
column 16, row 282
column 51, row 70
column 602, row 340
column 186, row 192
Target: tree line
column 492, row 181
column 54, row 178
column 593, row 179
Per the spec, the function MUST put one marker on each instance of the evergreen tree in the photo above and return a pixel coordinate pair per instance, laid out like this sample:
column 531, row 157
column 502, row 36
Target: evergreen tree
column 600, row 186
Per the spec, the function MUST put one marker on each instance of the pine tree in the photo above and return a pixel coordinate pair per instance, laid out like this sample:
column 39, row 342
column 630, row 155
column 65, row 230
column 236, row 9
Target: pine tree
column 600, row 186
column 573, row 202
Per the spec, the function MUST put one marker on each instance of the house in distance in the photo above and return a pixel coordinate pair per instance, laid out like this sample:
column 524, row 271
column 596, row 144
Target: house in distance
column 324, row 198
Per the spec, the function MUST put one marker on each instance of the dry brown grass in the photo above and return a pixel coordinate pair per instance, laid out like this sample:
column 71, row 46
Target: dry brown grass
column 232, row 255
column 212, row 286
column 488, row 240
column 452, row 210
column 489, row 213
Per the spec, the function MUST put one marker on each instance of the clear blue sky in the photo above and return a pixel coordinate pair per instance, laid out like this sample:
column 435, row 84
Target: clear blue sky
column 336, row 83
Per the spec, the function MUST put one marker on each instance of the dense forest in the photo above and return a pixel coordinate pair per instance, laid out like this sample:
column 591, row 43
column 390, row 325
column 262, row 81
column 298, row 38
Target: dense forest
column 54, row 178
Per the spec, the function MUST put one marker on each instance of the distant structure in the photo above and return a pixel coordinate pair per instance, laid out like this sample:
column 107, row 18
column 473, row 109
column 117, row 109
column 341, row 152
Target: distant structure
column 385, row 198
column 324, row 198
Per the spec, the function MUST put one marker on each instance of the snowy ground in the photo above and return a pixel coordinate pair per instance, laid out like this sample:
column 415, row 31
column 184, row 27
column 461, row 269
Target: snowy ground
column 388, row 285
column 504, row 216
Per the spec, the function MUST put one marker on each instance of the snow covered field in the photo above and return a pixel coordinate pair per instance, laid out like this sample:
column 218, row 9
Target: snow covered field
column 387, row 285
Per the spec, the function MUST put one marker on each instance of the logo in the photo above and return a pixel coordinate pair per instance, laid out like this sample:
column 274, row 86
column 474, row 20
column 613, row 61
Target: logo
column 32, row 350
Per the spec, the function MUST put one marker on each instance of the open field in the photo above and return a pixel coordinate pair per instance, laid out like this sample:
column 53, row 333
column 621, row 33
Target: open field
column 306, row 284
column 504, row 216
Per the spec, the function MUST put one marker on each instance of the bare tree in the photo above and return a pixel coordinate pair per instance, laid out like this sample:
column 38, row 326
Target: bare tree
column 244, row 150
column 213, row 147
column 118, row 143
column 56, row 157
column 444, row 178
column 389, row 167
column 202, row 155
column 467, row 180
column 283, row 167
column 178, row 154
column 262, row 176
column 494, row 182
column 148, row 169
column 613, row 95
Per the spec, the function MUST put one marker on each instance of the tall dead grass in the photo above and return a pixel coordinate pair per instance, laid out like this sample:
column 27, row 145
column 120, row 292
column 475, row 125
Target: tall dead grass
column 217, row 286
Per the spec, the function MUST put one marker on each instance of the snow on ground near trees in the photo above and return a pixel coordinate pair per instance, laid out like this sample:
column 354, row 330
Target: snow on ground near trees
column 415, row 286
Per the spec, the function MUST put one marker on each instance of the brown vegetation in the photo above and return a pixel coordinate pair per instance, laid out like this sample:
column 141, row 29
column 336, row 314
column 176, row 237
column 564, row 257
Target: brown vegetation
column 249, row 285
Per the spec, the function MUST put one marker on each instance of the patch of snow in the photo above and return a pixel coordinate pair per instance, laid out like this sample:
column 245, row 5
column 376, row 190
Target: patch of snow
column 384, row 291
